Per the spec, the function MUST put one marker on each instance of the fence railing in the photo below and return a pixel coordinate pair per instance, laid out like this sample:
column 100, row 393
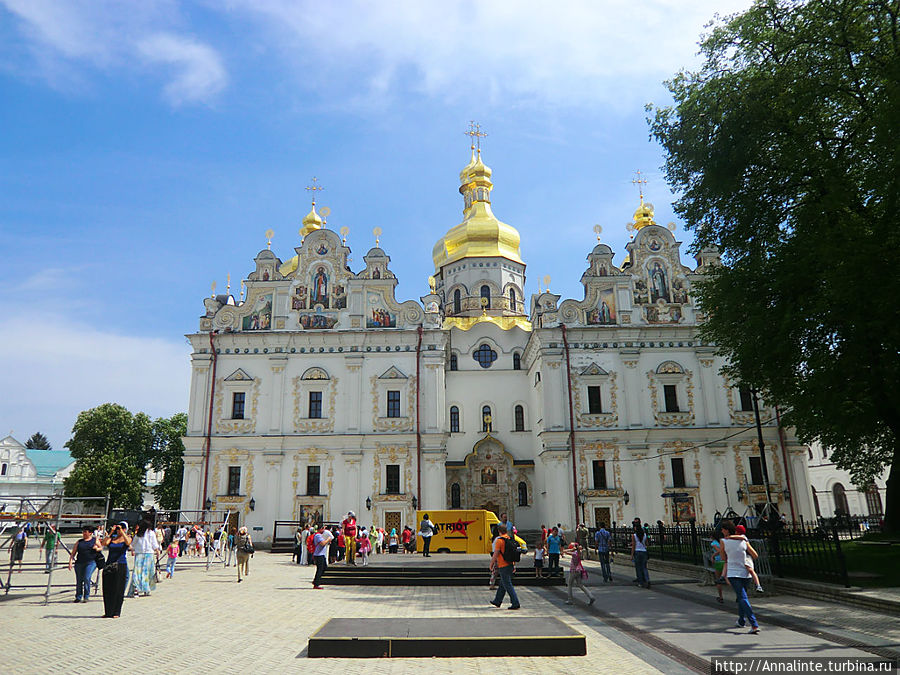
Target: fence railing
column 796, row 550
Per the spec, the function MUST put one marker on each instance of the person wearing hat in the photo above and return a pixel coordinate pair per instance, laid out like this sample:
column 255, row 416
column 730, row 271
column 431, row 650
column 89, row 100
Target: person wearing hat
column 348, row 528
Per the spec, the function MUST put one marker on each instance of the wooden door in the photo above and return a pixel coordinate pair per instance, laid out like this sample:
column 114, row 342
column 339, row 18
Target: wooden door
column 602, row 514
column 392, row 521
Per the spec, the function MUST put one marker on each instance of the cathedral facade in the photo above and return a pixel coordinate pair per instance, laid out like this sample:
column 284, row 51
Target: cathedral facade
column 321, row 392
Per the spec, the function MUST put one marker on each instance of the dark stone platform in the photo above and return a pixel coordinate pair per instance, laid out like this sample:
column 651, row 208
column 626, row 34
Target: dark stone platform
column 446, row 637
column 409, row 571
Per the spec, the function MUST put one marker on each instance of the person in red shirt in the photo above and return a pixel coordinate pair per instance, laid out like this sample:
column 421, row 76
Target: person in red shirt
column 404, row 538
column 349, row 530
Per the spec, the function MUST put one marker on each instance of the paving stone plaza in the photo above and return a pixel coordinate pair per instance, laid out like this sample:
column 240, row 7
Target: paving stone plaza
column 204, row 621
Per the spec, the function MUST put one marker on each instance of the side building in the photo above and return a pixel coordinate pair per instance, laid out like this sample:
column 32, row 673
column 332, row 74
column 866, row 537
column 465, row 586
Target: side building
column 321, row 392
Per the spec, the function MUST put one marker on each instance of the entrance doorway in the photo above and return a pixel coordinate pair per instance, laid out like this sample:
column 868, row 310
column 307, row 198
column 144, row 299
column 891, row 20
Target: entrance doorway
column 602, row 514
column 233, row 519
column 392, row 521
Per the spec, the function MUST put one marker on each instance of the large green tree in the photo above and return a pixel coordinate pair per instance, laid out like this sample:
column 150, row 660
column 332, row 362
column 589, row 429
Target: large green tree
column 38, row 442
column 168, row 457
column 112, row 448
column 785, row 149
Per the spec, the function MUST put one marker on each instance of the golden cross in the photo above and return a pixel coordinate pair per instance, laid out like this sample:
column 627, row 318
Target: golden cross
column 476, row 134
column 315, row 187
column 640, row 182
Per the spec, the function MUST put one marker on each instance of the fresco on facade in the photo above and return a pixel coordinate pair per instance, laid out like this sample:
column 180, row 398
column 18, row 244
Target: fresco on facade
column 298, row 301
column 260, row 317
column 604, row 313
column 340, row 297
column 378, row 316
column 317, row 321
column 318, row 291
column 640, row 292
column 679, row 292
column 489, row 476
column 659, row 286
column 663, row 313
column 684, row 509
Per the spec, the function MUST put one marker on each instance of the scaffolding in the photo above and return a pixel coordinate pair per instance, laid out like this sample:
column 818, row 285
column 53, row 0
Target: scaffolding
column 216, row 520
column 34, row 513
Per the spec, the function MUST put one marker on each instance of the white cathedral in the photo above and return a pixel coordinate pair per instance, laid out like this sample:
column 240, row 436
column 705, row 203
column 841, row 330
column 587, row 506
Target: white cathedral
column 322, row 393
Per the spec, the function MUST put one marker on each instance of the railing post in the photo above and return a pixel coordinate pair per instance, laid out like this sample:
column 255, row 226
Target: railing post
column 695, row 545
column 662, row 554
column 841, row 560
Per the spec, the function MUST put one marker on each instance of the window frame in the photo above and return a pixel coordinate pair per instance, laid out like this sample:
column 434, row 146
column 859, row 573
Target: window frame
column 517, row 361
column 756, row 471
column 487, row 411
column 679, row 480
column 595, row 395
column 673, row 390
column 234, row 405
column 522, row 493
column 393, row 403
column 455, row 496
column 314, row 470
column 454, row 362
column 454, row 419
column 598, row 470
column 315, row 406
column 518, row 417
column 232, row 487
column 390, row 489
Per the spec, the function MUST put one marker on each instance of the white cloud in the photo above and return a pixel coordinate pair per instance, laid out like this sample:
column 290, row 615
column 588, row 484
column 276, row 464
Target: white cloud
column 559, row 54
column 200, row 73
column 108, row 35
column 56, row 365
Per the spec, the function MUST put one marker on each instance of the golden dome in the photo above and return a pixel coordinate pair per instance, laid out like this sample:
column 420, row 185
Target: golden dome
column 643, row 216
column 480, row 234
column 311, row 221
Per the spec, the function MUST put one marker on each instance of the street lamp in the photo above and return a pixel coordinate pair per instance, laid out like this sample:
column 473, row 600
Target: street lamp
column 415, row 503
column 208, row 504
column 740, row 494
column 787, row 494
column 582, row 499
column 252, row 504
column 625, row 497
column 368, row 503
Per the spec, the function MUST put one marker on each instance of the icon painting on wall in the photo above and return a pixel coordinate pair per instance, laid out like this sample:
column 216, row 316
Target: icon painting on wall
column 260, row 317
column 659, row 287
column 317, row 321
column 378, row 316
column 318, row 294
column 489, row 476
column 605, row 311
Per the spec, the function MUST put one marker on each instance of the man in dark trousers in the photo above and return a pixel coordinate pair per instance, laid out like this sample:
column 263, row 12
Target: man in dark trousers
column 320, row 554
column 504, row 569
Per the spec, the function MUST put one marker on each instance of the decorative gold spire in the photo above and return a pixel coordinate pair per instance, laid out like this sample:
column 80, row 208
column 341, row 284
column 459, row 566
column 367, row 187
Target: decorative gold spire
column 269, row 234
column 312, row 221
column 481, row 234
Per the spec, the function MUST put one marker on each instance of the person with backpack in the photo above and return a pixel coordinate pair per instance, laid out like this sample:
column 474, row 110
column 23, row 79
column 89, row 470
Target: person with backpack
column 503, row 561
column 244, row 551
column 426, row 530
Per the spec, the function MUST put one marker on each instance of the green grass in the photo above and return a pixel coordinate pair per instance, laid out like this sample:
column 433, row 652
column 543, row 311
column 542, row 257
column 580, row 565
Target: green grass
column 881, row 560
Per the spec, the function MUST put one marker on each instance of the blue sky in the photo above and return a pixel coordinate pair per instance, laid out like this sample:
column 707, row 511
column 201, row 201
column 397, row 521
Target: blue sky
column 146, row 148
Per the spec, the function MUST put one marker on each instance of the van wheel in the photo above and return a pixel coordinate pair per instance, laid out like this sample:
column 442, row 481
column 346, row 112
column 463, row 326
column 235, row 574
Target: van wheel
column 443, row 550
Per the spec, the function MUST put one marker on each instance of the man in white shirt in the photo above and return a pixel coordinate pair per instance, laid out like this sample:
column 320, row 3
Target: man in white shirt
column 181, row 537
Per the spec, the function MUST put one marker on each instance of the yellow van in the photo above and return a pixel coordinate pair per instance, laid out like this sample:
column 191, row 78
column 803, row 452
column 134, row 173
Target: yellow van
column 459, row 531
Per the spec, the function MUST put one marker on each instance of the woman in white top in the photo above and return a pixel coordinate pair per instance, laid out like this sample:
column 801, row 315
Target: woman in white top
column 145, row 545
column 639, row 541
column 734, row 552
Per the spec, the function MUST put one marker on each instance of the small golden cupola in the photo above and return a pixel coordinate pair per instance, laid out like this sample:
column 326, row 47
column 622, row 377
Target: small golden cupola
column 480, row 234
column 312, row 221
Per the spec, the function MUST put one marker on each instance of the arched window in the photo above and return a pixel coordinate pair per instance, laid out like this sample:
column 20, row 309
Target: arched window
column 454, row 362
column 523, row 494
column 873, row 500
column 485, row 356
column 454, row 419
column 486, row 293
column 457, row 301
column 816, row 503
column 840, row 500
column 454, row 496
column 517, row 361
column 486, row 419
column 520, row 418
column 512, row 299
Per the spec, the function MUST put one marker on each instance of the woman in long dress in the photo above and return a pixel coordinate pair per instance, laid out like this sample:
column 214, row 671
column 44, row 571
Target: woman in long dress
column 145, row 546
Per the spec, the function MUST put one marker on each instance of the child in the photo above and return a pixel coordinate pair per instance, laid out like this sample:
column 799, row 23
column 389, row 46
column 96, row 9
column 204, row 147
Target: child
column 539, row 552
column 577, row 573
column 741, row 533
column 172, row 553
column 201, row 542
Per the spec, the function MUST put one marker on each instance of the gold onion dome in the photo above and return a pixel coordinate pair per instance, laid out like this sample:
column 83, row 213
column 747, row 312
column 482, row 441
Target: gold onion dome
column 480, row 234
column 311, row 221
column 643, row 216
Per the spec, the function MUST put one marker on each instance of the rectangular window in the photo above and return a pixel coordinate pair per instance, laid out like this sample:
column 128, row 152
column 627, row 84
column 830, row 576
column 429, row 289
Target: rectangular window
column 671, row 397
column 234, row 481
column 3, row 470
column 599, row 467
column 746, row 399
column 312, row 479
column 595, row 404
column 392, row 482
column 237, row 405
column 315, row 404
column 393, row 403
column 678, row 472
column 756, row 472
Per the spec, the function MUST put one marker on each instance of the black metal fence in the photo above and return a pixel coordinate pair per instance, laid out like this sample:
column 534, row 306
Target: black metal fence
column 796, row 550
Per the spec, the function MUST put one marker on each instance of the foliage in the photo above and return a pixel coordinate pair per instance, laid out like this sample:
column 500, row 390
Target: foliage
column 783, row 146
column 38, row 442
column 111, row 448
column 168, row 457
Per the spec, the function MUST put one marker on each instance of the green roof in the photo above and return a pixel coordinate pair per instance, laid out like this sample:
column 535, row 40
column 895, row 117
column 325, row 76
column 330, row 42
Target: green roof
column 48, row 462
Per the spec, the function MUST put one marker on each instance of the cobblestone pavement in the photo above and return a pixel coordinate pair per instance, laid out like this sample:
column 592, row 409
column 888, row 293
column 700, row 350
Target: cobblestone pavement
column 207, row 622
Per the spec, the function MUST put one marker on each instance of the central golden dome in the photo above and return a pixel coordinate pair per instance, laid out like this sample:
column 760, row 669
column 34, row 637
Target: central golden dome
column 480, row 234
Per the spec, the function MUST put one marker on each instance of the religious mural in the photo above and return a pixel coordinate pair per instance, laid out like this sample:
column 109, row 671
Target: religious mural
column 317, row 321
column 318, row 293
column 378, row 316
column 298, row 301
column 260, row 317
column 663, row 313
column 659, row 286
column 605, row 311
column 489, row 476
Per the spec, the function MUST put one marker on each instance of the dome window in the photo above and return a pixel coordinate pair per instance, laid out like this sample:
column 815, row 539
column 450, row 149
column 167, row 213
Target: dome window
column 485, row 356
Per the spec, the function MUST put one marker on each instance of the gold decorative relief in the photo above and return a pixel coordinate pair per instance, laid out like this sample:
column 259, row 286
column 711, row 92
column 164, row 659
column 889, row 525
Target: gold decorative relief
column 306, row 425
column 247, row 425
column 379, row 388
column 681, row 418
column 593, row 420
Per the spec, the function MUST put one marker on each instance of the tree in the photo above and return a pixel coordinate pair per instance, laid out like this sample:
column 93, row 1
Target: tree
column 168, row 457
column 38, row 442
column 783, row 147
column 112, row 448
